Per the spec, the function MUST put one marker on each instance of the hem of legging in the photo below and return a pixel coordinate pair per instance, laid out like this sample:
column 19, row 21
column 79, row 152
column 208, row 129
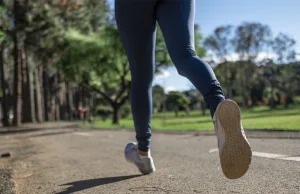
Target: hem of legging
column 213, row 110
column 141, row 148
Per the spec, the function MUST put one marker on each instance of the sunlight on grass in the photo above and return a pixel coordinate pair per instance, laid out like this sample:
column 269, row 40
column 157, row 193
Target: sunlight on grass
column 255, row 118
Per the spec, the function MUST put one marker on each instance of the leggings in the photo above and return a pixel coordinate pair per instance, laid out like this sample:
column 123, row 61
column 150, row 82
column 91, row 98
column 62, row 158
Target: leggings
column 136, row 21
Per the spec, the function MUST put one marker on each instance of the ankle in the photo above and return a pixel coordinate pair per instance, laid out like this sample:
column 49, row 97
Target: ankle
column 141, row 153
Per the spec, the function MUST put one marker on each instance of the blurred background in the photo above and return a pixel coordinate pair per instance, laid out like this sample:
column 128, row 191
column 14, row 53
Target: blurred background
column 62, row 60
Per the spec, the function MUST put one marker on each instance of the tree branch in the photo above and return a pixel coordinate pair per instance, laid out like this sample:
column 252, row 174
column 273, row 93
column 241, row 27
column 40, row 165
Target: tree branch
column 107, row 98
column 124, row 99
column 124, row 86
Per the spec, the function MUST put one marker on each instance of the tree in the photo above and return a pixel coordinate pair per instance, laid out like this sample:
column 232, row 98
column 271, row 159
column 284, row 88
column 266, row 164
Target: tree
column 162, row 57
column 196, row 100
column 250, row 40
column 100, row 65
column 85, row 15
column 258, row 86
column 28, row 105
column 288, row 80
column 4, row 85
column 220, row 43
column 158, row 97
column 18, row 38
column 200, row 50
column 3, row 65
column 44, row 35
column 177, row 101
column 48, row 21
column 283, row 47
column 227, row 74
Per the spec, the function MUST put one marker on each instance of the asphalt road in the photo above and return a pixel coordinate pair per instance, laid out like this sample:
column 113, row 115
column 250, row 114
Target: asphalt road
column 93, row 162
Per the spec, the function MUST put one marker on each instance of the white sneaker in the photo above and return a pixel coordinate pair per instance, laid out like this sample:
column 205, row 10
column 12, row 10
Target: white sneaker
column 144, row 164
column 234, row 149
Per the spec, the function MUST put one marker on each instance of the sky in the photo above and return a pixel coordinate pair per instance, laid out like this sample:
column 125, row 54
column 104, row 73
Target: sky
column 281, row 15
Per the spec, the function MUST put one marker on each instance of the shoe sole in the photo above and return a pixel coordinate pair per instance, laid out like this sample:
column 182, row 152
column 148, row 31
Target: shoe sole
column 236, row 154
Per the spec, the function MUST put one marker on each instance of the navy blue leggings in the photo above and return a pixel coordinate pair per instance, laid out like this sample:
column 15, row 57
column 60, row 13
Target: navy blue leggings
column 136, row 20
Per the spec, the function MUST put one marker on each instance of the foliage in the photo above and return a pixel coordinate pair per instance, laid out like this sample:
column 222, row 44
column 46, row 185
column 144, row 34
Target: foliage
column 177, row 100
column 2, row 36
column 283, row 47
column 200, row 50
column 99, row 62
column 220, row 42
column 158, row 97
column 250, row 39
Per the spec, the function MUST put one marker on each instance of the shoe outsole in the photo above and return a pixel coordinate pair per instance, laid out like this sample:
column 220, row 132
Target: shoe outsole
column 148, row 172
column 236, row 154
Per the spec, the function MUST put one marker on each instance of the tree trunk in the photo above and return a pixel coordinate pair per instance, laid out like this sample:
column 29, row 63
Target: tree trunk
column 69, row 97
column 229, row 93
column 38, row 86
column 56, row 98
column 51, row 114
column 272, row 103
column 83, row 96
column 28, row 112
column 176, row 111
column 80, row 96
column 41, row 83
column 45, row 87
column 243, row 85
column 116, row 114
column 17, row 65
column 31, row 91
column 4, row 84
column 57, row 109
column 17, row 84
column 62, row 98
column 92, row 107
column 19, row 35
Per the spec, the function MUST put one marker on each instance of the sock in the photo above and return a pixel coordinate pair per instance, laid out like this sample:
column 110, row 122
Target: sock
column 143, row 157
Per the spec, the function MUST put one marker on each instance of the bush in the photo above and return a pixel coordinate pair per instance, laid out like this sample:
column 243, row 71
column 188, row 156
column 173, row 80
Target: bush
column 238, row 100
column 104, row 112
column 297, row 99
column 125, row 111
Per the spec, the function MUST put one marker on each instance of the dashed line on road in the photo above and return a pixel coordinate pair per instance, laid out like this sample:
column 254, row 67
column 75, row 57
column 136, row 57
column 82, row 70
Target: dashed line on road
column 267, row 155
column 213, row 150
column 82, row 134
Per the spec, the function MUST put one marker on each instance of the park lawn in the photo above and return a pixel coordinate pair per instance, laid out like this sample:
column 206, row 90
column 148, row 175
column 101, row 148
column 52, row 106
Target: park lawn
column 255, row 118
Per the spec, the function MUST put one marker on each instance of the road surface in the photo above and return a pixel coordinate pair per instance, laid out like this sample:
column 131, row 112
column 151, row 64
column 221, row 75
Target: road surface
column 90, row 161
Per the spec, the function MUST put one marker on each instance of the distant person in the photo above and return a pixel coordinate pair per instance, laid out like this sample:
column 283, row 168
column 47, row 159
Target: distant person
column 74, row 113
column 136, row 20
column 80, row 113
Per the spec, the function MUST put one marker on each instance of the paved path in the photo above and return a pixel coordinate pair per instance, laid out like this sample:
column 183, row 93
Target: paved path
column 93, row 162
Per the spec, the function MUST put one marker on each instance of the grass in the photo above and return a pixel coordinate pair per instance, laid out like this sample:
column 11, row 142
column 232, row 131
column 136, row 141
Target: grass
column 254, row 118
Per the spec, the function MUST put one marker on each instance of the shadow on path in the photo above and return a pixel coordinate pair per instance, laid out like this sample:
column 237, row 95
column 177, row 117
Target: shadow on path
column 87, row 184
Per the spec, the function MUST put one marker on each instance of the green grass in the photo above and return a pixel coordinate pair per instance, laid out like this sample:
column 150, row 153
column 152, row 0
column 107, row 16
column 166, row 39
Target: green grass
column 255, row 118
